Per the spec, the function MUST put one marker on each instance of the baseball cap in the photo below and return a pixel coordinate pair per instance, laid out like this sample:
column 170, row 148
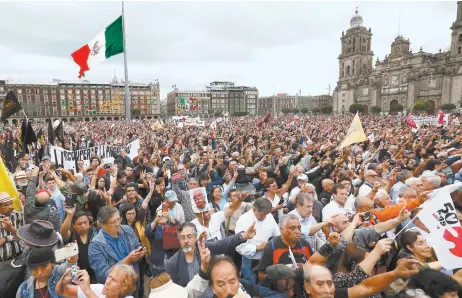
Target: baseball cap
column 302, row 177
column 170, row 195
column 166, row 158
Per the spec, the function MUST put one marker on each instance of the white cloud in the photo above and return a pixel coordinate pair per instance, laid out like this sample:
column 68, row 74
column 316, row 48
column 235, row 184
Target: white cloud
column 288, row 45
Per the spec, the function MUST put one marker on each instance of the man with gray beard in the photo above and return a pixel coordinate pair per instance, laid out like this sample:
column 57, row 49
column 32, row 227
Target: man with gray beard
column 183, row 265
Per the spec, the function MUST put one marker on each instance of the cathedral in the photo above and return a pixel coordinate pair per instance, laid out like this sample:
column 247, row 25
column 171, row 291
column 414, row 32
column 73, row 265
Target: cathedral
column 402, row 77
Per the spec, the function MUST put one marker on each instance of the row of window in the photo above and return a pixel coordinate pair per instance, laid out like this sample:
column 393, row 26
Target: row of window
column 77, row 91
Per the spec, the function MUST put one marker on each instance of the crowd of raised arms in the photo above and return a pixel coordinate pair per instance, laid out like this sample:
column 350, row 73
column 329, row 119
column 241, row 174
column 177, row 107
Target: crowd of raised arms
column 237, row 208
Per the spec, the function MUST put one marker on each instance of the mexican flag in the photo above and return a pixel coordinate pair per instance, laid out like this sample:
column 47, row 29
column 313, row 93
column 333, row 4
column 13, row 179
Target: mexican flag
column 108, row 43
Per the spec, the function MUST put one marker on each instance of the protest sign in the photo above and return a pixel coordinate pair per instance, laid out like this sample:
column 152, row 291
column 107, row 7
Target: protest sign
column 67, row 158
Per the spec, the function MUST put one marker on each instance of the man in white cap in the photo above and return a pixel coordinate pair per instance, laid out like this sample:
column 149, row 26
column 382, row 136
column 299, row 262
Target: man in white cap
column 10, row 222
column 302, row 179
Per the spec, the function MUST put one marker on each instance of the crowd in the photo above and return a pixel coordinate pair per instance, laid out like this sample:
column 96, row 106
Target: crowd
column 238, row 208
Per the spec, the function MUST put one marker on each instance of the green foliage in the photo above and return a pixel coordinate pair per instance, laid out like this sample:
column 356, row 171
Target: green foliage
column 326, row 109
column 135, row 112
column 304, row 110
column 421, row 106
column 448, row 107
column 356, row 107
column 376, row 109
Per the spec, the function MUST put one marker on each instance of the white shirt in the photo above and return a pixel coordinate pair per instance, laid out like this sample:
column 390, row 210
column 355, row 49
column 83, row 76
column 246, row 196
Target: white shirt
column 364, row 190
column 214, row 229
column 294, row 192
column 306, row 224
column 334, row 208
column 264, row 230
column 97, row 289
column 350, row 202
column 275, row 202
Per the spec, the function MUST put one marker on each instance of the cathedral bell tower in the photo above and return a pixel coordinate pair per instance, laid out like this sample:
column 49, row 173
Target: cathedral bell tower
column 356, row 54
column 456, row 39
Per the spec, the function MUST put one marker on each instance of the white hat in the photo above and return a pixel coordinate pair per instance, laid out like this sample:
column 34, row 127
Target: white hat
column 169, row 290
column 166, row 158
column 302, row 177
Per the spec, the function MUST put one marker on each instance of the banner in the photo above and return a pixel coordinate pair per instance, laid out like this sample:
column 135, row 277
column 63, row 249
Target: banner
column 11, row 105
column 67, row 158
column 430, row 120
column 440, row 218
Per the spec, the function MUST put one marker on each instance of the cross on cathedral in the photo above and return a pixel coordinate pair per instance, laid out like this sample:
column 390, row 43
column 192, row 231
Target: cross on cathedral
column 356, row 9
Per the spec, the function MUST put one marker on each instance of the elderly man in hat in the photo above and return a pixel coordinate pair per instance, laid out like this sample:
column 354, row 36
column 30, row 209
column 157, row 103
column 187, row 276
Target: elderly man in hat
column 20, row 180
column 10, row 222
column 39, row 204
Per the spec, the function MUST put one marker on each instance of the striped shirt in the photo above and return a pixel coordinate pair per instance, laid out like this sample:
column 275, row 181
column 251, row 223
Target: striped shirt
column 11, row 247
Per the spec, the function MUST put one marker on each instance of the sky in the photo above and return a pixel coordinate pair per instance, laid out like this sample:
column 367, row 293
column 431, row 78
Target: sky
column 277, row 47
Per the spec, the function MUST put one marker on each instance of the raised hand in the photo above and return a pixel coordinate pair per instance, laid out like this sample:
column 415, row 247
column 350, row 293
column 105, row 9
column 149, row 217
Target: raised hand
column 250, row 233
column 205, row 255
column 334, row 238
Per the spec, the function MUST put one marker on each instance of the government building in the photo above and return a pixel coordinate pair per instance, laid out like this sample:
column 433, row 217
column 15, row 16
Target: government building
column 402, row 77
column 83, row 101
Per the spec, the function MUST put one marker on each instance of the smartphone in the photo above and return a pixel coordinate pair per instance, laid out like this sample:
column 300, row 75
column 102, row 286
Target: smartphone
column 107, row 166
column 66, row 252
column 70, row 200
column 366, row 216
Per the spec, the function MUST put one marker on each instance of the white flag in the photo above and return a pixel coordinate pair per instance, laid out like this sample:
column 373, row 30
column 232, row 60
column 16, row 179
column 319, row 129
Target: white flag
column 440, row 218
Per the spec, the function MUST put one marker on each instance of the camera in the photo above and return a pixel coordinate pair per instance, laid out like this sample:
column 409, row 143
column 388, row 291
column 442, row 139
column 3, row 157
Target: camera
column 71, row 199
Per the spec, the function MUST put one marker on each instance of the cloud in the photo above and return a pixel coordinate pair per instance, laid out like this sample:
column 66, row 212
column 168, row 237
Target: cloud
column 274, row 46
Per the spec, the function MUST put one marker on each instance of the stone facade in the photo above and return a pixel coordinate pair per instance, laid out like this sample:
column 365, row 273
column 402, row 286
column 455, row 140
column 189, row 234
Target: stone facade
column 402, row 77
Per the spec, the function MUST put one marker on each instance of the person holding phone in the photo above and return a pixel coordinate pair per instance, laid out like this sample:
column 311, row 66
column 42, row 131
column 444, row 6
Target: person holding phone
column 120, row 283
column 45, row 273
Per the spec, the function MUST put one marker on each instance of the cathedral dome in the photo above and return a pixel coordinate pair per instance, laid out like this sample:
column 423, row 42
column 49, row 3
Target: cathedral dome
column 356, row 20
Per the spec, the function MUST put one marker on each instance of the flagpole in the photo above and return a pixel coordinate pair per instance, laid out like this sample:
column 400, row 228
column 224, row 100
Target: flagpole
column 127, row 89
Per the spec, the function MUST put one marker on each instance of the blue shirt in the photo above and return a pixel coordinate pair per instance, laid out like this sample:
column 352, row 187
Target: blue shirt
column 117, row 245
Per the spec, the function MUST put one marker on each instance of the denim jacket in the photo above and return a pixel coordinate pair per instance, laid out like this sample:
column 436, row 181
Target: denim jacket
column 102, row 257
column 27, row 288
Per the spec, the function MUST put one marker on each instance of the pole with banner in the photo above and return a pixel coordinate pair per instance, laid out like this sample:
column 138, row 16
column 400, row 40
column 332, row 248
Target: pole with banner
column 127, row 89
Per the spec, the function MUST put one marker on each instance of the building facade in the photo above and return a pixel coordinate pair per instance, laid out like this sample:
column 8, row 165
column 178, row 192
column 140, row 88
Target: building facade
column 219, row 97
column 323, row 100
column 275, row 104
column 402, row 77
column 84, row 101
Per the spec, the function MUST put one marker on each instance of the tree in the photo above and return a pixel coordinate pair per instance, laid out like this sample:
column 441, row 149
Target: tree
column 447, row 107
column 285, row 110
column 356, row 107
column 421, row 106
column 376, row 110
column 326, row 109
column 315, row 110
column 294, row 110
column 135, row 112
column 304, row 110
column 217, row 113
column 240, row 114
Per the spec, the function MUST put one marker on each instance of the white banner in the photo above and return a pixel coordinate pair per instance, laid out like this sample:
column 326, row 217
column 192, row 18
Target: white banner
column 67, row 159
column 440, row 218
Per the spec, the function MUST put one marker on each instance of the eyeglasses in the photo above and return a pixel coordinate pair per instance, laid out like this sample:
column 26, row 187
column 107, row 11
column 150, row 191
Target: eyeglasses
column 115, row 222
column 188, row 237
